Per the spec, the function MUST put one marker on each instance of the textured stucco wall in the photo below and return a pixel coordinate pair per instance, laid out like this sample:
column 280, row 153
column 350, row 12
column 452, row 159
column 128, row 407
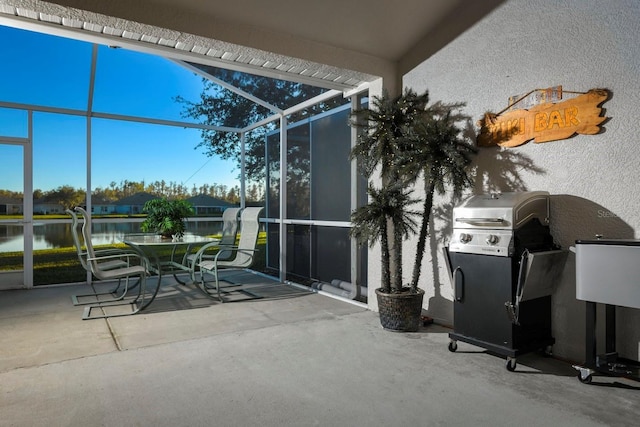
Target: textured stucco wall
column 527, row 44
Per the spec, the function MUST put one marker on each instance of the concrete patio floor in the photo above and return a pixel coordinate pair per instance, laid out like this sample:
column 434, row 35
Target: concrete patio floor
column 293, row 358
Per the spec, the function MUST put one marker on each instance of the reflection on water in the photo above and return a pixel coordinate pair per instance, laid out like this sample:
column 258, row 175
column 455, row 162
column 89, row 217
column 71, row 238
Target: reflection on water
column 50, row 236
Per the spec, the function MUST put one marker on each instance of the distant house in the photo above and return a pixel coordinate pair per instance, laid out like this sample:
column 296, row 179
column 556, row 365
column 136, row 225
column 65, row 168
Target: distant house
column 45, row 207
column 102, row 206
column 133, row 204
column 9, row 206
column 207, row 205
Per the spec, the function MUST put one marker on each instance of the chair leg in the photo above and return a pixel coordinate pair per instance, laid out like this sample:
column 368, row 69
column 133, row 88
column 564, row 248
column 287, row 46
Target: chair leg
column 137, row 304
column 217, row 283
column 212, row 291
column 87, row 314
column 116, row 297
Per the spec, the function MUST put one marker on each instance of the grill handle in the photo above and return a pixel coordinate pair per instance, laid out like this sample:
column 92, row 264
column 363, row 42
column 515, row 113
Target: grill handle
column 481, row 220
column 458, row 285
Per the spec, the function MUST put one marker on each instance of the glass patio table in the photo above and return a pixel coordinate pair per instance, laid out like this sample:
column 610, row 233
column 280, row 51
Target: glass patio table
column 164, row 255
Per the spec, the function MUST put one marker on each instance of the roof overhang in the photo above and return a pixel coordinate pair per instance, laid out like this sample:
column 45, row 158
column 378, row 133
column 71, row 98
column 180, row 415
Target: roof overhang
column 181, row 46
column 335, row 44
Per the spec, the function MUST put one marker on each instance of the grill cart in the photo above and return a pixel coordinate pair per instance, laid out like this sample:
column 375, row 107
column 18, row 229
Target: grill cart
column 503, row 265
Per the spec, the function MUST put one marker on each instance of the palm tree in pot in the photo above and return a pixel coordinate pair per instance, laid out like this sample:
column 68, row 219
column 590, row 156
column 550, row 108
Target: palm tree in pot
column 405, row 139
column 387, row 206
column 441, row 156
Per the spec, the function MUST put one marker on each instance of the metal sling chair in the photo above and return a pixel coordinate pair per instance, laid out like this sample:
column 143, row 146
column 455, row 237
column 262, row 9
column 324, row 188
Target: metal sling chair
column 228, row 238
column 95, row 264
column 232, row 257
column 107, row 264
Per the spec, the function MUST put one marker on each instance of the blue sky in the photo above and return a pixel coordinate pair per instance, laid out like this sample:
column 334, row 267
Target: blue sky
column 53, row 71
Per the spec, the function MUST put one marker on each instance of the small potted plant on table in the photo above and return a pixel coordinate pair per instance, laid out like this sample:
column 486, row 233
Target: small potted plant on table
column 166, row 217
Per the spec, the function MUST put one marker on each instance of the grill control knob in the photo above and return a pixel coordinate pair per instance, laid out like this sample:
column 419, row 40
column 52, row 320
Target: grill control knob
column 492, row 239
column 465, row 238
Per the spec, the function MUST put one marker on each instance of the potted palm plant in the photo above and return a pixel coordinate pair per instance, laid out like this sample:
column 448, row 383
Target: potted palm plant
column 404, row 139
column 166, row 217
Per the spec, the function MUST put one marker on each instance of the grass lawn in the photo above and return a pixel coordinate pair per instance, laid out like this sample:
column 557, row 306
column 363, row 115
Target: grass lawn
column 53, row 266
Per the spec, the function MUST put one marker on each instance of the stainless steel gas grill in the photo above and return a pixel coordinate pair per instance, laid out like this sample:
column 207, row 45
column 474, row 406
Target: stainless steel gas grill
column 503, row 265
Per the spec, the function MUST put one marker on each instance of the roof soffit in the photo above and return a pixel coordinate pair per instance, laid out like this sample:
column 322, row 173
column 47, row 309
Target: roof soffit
column 338, row 44
column 108, row 30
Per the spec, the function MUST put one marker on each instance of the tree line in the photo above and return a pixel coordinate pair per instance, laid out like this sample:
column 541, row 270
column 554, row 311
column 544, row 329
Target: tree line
column 69, row 196
column 222, row 108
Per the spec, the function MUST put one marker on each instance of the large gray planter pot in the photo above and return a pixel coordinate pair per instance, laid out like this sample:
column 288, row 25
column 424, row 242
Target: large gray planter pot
column 400, row 312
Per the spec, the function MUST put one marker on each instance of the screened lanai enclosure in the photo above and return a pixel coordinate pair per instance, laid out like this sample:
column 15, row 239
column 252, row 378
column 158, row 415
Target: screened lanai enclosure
column 87, row 124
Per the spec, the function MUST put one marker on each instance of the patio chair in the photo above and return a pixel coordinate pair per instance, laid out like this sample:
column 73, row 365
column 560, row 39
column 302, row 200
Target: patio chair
column 106, row 264
column 230, row 257
column 126, row 272
column 228, row 238
column 229, row 226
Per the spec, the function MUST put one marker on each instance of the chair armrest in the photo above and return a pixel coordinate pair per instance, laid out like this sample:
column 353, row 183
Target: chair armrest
column 189, row 252
column 212, row 264
column 114, row 256
column 113, row 251
column 237, row 249
column 212, row 245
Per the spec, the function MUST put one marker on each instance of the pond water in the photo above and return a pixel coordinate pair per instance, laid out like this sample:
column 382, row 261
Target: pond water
column 58, row 235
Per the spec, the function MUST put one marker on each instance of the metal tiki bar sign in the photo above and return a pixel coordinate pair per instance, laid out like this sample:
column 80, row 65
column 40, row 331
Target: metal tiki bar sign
column 544, row 122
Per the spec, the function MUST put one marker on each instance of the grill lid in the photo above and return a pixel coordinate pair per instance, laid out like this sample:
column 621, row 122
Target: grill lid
column 507, row 211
